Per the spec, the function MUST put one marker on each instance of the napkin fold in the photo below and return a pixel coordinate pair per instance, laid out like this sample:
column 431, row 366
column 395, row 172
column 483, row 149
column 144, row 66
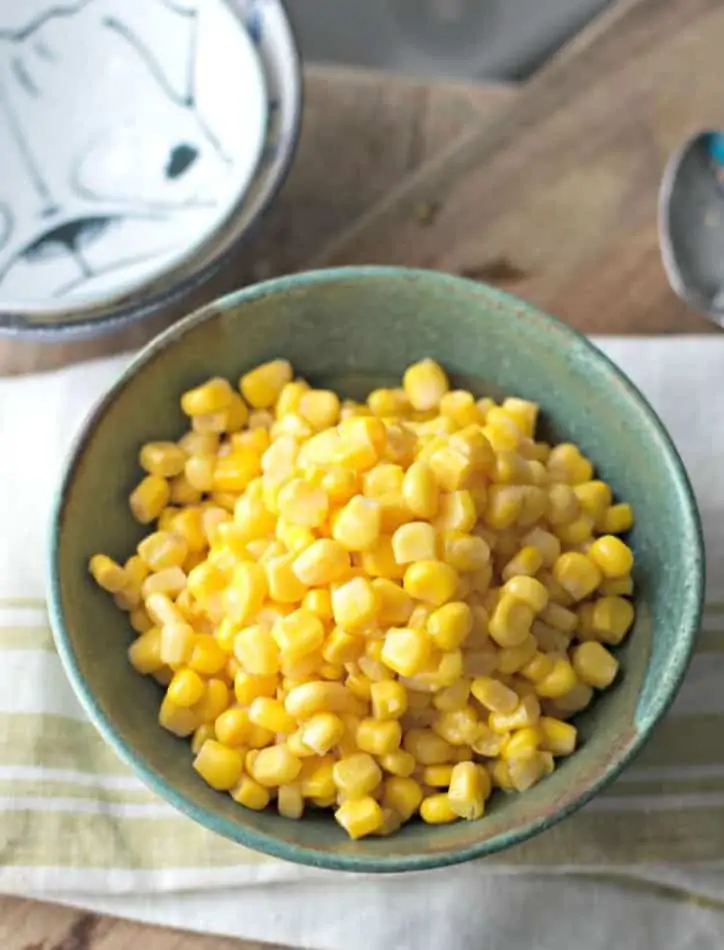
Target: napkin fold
column 641, row 865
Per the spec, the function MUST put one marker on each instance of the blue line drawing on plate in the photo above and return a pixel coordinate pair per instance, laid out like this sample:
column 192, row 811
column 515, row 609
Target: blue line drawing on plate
column 98, row 188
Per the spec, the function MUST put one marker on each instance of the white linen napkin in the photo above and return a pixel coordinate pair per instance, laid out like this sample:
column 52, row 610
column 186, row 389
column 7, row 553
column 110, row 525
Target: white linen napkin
column 642, row 866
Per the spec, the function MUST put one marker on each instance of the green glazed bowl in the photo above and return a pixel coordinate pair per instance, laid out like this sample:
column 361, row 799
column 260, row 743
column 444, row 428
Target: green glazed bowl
column 354, row 329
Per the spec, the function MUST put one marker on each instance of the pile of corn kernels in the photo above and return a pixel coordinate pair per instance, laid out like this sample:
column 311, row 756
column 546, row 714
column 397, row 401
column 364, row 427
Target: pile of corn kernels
column 386, row 608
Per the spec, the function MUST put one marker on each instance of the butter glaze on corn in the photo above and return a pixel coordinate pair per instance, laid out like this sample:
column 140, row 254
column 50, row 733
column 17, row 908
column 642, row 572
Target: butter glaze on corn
column 387, row 608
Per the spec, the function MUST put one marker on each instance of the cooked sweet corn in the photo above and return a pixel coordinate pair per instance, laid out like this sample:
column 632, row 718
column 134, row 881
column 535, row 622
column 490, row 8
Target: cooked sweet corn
column 352, row 605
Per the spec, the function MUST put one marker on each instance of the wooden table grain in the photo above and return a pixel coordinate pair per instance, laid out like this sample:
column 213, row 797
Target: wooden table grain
column 548, row 190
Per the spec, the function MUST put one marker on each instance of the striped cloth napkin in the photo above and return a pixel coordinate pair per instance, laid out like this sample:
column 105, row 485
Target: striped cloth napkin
column 77, row 826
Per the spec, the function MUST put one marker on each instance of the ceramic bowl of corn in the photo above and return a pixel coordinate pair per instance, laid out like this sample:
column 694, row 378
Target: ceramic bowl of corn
column 372, row 569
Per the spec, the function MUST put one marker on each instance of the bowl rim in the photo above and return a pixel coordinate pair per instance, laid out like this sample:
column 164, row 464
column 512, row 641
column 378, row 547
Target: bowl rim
column 97, row 318
column 679, row 656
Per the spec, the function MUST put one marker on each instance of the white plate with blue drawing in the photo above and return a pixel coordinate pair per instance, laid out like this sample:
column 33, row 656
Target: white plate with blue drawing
column 130, row 132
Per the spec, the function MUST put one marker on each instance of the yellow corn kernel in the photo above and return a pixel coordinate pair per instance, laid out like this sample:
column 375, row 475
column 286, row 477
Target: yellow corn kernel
column 247, row 686
column 512, row 659
column 425, row 383
column 316, row 696
column 431, row 581
column 594, row 665
column 320, row 408
column 504, row 506
column 617, row 519
column 456, row 512
column 212, row 396
column 354, row 604
column 521, row 743
column 574, row 701
column 380, row 560
column 450, row 625
column 451, row 467
column 218, row 766
column 186, row 688
column 283, row 584
column 469, row 787
column 258, row 738
column 207, row 657
column 526, row 713
column 594, row 498
column 437, row 810
column 199, row 472
column 323, row 562
column 187, row 524
column 420, row 490
column 162, row 610
column 319, row 602
column 556, row 736
column 215, row 700
column 523, row 412
column 562, row 504
column 388, row 403
column 317, row 778
column 399, row 763
column 180, row 720
column 290, row 397
column 107, row 573
column 527, row 562
column 275, row 765
column 511, row 621
column 528, row 591
column 559, row 617
column 547, row 544
column 232, row 726
column 251, row 794
column 389, row 700
column 414, row 542
column 458, row 726
column 139, row 620
column 257, row 651
column 383, row 479
column 465, row 552
column 577, row 574
column 357, row 526
column 162, row 458
column 402, row 794
column 379, row 737
column 357, row 775
column 427, row 747
column 298, row 634
column 342, row 647
column 170, row 581
column 303, row 504
column 494, row 695
column 611, row 619
column 182, row 492
column 406, row 650
column 459, row 406
column 144, row 654
column 290, row 801
column 360, row 817
column 176, row 644
column 614, row 558
column 245, row 595
column 526, row 770
column 437, row 776
column 566, row 464
column 270, row 714
column 559, row 681
column 538, row 667
column 453, row 697
column 149, row 498
column 617, row 587
column 322, row 732
column 201, row 734
column 261, row 387
column 362, row 442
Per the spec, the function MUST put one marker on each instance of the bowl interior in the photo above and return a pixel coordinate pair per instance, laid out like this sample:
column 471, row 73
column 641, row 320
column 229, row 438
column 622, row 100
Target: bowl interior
column 352, row 330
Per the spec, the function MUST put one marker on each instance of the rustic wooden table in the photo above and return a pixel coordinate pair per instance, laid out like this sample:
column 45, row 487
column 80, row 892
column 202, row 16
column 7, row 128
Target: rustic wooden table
column 548, row 189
